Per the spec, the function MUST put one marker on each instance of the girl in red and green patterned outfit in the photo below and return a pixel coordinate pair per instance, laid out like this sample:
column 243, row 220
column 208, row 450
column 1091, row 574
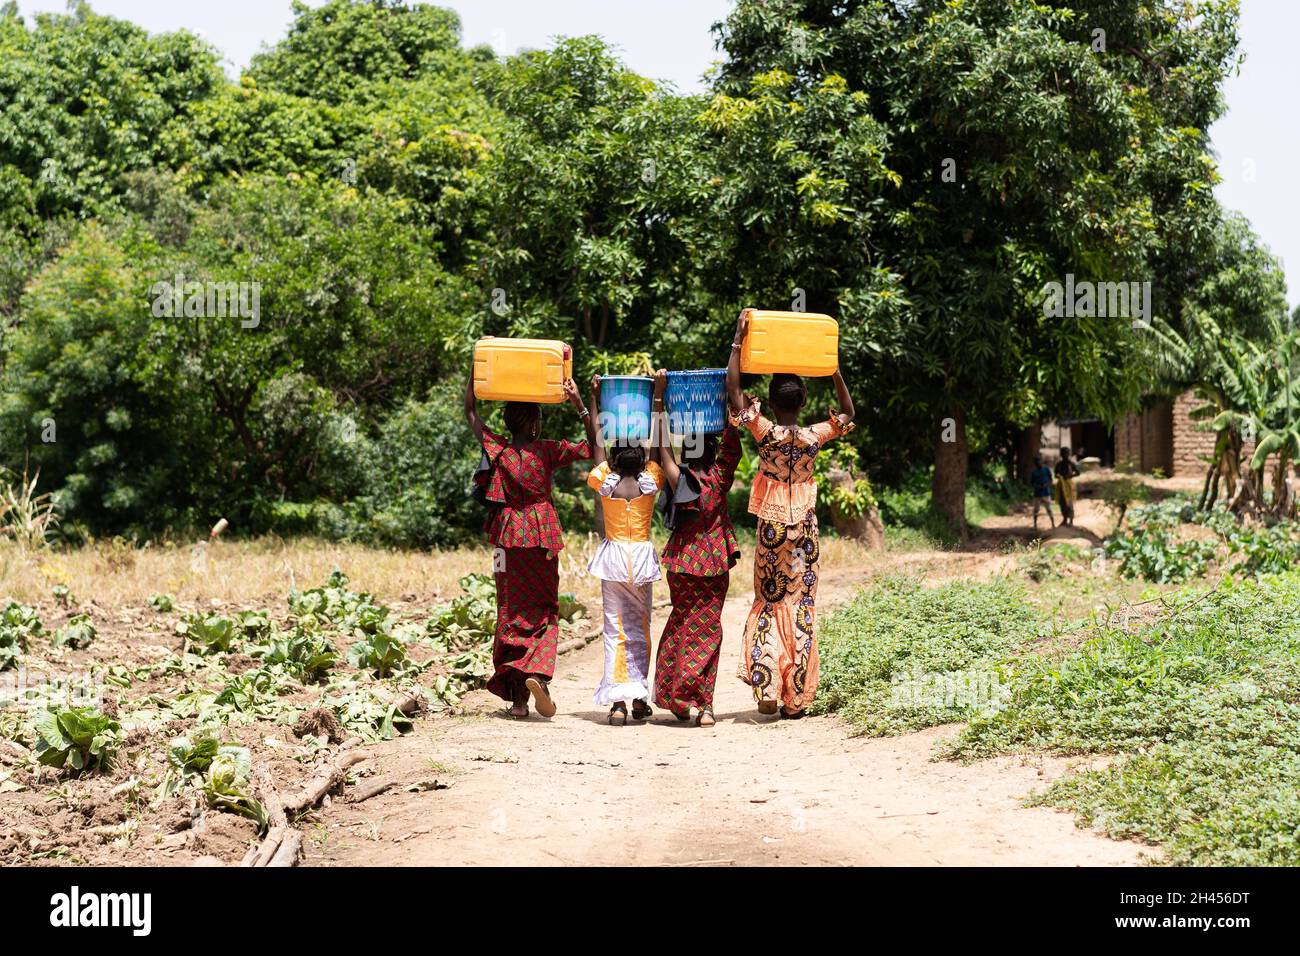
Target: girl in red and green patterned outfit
column 698, row 558
column 514, row 481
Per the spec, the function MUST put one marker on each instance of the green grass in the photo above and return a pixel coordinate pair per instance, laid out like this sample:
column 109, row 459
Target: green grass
column 901, row 656
column 1202, row 705
column 1196, row 695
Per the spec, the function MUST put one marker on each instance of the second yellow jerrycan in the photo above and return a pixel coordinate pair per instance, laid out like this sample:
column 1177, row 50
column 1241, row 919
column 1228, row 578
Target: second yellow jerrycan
column 521, row 370
column 801, row 343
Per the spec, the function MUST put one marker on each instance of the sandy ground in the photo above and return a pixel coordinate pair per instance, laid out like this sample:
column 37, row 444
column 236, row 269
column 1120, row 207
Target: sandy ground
column 752, row 790
column 479, row 788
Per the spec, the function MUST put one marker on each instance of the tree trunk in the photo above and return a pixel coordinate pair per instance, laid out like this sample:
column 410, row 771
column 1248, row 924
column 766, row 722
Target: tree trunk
column 948, row 485
column 1283, row 495
column 866, row 527
column 1028, row 442
column 1204, row 503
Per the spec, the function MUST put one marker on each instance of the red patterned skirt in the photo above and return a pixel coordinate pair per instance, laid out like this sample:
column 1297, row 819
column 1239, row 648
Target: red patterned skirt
column 686, row 667
column 528, row 619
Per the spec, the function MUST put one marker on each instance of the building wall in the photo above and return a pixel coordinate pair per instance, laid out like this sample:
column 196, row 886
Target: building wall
column 1146, row 440
column 1191, row 446
column 1165, row 436
column 1128, row 442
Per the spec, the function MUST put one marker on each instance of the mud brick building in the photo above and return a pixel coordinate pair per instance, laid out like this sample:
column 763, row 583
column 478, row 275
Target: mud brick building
column 1163, row 435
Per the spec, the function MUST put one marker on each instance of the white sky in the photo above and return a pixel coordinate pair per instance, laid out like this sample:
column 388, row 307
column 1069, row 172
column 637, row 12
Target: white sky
column 1258, row 140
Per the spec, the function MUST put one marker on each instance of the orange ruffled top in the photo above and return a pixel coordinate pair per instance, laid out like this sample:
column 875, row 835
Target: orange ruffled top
column 784, row 490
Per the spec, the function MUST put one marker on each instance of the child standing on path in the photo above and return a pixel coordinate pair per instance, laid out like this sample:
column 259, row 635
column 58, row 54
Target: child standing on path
column 1040, row 479
column 1066, row 472
column 698, row 558
column 627, row 567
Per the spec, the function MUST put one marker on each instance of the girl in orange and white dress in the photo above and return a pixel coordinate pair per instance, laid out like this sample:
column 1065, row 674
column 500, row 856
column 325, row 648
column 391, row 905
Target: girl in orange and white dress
column 779, row 659
column 627, row 566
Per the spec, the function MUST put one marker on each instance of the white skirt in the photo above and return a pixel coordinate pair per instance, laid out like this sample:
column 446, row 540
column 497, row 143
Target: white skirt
column 627, row 642
column 635, row 563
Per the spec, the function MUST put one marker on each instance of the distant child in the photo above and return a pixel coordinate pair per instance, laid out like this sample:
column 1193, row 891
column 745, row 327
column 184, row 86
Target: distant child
column 627, row 567
column 1041, row 481
column 698, row 558
column 1066, row 472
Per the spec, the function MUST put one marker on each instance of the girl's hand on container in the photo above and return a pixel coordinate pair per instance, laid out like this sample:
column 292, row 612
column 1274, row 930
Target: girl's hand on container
column 571, row 393
column 661, row 383
column 742, row 325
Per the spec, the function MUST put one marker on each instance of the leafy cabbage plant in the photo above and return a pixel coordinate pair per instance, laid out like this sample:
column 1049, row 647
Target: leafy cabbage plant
column 77, row 738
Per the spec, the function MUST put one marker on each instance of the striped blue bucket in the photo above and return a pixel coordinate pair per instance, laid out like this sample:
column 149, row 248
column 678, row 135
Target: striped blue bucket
column 625, row 407
column 696, row 401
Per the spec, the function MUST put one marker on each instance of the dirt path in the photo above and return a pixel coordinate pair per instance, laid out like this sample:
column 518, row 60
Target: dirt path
column 752, row 790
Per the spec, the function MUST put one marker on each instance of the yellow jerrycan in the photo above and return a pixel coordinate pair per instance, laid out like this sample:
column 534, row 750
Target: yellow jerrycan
column 801, row 343
column 521, row 370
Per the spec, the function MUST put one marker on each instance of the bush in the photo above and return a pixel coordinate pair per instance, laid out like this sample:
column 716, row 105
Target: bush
column 209, row 633
column 304, row 651
column 78, row 738
column 78, row 634
column 1152, row 550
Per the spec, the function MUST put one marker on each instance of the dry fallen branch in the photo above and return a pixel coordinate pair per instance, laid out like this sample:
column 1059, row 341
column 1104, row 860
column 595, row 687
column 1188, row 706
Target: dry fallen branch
column 372, row 790
column 323, row 783
column 290, row 847
column 283, row 843
column 278, row 829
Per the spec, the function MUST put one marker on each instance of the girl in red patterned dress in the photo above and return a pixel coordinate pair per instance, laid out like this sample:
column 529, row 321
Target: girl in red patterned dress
column 698, row 558
column 514, row 480
column 779, row 660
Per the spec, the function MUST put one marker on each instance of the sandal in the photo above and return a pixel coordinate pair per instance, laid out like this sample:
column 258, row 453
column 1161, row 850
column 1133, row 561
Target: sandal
column 618, row 715
column 705, row 718
column 541, row 696
column 767, row 707
column 792, row 714
column 641, row 710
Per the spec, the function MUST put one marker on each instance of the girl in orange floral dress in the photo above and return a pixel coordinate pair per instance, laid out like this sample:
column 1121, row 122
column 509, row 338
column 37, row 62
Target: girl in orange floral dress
column 779, row 658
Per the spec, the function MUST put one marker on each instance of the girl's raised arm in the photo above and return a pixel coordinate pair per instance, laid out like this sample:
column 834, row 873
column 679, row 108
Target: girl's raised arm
column 734, row 397
column 471, row 407
column 659, row 434
column 593, row 425
column 845, row 401
column 588, row 422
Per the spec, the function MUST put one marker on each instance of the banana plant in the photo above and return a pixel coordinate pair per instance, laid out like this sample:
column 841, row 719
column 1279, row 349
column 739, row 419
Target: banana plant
column 1278, row 427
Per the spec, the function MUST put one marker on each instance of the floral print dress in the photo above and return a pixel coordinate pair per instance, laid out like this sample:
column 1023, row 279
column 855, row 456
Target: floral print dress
column 779, row 660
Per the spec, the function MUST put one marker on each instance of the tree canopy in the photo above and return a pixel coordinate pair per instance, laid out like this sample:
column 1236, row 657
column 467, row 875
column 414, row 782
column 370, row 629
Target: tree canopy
column 921, row 170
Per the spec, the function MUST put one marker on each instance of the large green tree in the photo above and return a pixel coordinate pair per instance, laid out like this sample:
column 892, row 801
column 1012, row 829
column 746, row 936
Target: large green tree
column 1027, row 147
column 598, row 207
